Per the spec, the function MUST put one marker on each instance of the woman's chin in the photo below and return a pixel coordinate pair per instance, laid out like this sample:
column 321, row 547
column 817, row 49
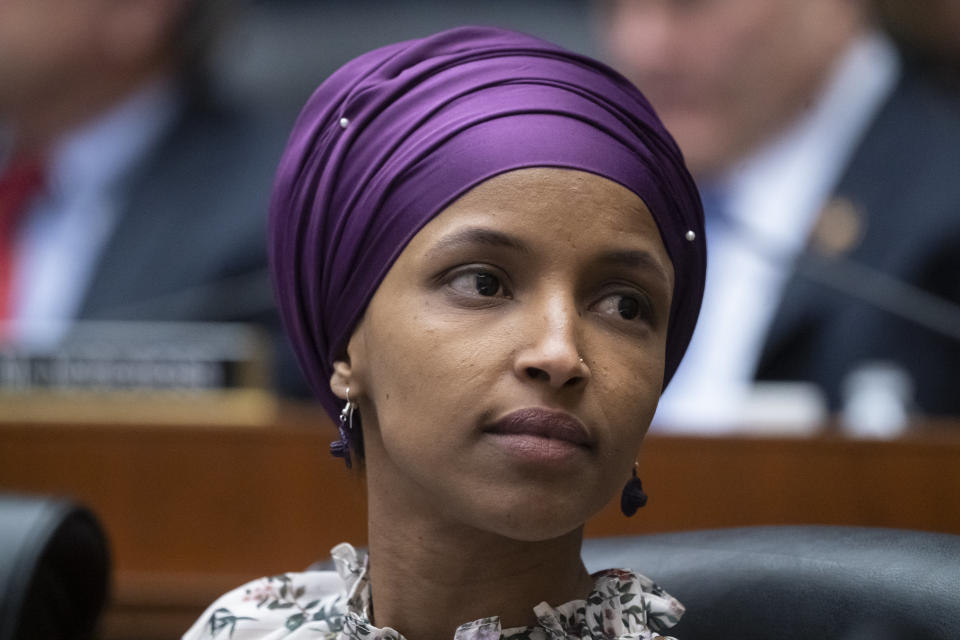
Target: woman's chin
column 533, row 520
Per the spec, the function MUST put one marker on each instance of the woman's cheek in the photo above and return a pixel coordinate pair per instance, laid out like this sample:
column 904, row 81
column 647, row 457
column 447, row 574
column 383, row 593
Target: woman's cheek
column 633, row 394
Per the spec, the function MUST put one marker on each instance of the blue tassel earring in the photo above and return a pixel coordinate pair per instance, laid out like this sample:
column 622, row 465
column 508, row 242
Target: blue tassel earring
column 633, row 496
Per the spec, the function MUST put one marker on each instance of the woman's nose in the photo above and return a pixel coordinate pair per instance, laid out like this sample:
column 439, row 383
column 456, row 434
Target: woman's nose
column 552, row 354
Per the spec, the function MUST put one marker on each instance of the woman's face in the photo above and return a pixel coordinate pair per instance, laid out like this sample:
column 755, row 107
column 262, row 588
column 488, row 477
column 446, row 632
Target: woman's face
column 476, row 406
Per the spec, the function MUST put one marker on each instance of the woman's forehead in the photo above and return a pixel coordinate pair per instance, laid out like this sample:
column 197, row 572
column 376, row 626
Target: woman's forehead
column 530, row 185
column 546, row 204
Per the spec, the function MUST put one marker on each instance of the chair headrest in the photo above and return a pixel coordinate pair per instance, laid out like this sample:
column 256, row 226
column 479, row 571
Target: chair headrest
column 799, row 582
column 54, row 568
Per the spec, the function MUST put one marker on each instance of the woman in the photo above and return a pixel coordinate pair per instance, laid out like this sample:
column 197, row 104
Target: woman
column 489, row 256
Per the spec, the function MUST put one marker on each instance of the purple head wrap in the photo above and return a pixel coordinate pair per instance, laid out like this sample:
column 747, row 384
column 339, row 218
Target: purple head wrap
column 394, row 136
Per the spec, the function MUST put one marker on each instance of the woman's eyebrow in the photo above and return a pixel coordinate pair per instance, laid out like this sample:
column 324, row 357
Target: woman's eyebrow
column 473, row 236
column 634, row 259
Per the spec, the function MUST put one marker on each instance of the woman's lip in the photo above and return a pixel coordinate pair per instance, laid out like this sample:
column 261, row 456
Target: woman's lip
column 543, row 423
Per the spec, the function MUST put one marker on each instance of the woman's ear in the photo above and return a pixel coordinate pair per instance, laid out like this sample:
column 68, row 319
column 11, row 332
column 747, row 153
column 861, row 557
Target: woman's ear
column 349, row 369
column 340, row 379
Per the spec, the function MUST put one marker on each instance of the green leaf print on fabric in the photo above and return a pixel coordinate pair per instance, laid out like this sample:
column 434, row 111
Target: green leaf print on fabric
column 279, row 592
column 223, row 618
column 333, row 617
column 294, row 621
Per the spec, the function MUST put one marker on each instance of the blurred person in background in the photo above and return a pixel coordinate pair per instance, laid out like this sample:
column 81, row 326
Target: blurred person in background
column 127, row 190
column 829, row 178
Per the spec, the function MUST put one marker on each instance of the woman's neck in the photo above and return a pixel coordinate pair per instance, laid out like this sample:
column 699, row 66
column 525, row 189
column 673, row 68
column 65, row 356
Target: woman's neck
column 426, row 579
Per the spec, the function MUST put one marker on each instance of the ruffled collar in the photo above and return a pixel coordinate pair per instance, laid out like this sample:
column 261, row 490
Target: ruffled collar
column 622, row 606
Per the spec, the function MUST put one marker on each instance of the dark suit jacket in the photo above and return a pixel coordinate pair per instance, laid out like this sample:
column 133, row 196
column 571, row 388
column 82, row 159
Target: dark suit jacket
column 904, row 182
column 190, row 243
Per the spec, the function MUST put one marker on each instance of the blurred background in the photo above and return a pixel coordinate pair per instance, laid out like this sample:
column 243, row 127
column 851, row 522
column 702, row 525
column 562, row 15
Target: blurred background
column 143, row 369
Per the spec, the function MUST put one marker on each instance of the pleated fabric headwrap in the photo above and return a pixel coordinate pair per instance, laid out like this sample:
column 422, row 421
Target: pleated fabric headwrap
column 394, row 136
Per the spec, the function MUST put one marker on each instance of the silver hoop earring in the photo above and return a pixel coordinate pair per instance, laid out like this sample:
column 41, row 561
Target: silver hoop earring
column 341, row 448
column 346, row 414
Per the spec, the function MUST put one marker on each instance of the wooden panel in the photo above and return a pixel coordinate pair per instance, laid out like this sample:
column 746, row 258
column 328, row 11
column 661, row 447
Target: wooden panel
column 698, row 483
column 194, row 510
column 244, row 500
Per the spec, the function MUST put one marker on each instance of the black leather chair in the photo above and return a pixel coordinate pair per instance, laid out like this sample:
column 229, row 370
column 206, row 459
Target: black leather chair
column 788, row 583
column 54, row 569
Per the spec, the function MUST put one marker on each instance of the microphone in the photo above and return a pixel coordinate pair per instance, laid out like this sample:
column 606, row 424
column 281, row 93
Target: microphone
column 882, row 291
column 871, row 388
column 851, row 278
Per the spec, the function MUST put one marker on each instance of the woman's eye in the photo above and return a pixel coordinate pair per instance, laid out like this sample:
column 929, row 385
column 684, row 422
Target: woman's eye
column 478, row 283
column 627, row 307
column 487, row 284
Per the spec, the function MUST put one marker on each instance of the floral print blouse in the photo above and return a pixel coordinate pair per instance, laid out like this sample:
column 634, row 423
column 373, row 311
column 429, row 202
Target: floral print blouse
column 335, row 605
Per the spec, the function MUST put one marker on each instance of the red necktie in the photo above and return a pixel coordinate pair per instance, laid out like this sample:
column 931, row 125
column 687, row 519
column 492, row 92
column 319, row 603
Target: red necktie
column 21, row 180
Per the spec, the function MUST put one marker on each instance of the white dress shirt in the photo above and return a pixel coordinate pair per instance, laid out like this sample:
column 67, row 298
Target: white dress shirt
column 774, row 195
